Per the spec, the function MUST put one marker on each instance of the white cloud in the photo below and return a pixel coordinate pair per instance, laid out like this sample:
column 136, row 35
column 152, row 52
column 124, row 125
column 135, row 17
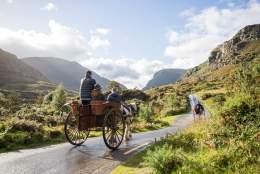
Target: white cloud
column 60, row 41
column 98, row 42
column 187, row 12
column 7, row 1
column 50, row 6
column 205, row 30
column 103, row 31
column 67, row 42
column 130, row 72
column 97, row 38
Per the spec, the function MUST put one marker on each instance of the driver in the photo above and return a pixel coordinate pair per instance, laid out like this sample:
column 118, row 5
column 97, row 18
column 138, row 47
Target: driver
column 86, row 86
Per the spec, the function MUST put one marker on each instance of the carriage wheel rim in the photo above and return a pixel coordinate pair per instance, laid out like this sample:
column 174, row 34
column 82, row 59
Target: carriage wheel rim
column 113, row 129
column 73, row 135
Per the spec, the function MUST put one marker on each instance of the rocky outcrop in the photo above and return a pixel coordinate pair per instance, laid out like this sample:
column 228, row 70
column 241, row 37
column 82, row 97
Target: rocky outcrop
column 230, row 51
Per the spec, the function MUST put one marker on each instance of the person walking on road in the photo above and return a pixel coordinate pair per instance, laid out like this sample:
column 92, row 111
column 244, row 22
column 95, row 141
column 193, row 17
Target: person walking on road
column 196, row 107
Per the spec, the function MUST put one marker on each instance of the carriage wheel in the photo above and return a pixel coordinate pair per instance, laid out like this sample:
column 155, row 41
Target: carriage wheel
column 113, row 129
column 73, row 135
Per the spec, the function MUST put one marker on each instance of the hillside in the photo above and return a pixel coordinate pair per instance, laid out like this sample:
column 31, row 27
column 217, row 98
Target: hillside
column 243, row 47
column 164, row 77
column 227, row 141
column 62, row 71
column 13, row 70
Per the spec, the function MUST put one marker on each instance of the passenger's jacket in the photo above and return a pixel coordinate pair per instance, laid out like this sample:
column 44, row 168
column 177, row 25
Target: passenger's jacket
column 86, row 86
column 114, row 97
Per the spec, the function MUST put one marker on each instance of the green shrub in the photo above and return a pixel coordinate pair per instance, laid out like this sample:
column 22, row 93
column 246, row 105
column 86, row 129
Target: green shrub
column 146, row 112
column 55, row 133
column 164, row 159
column 48, row 98
column 2, row 127
column 206, row 96
column 240, row 111
column 3, row 143
column 24, row 125
column 220, row 98
column 59, row 98
column 37, row 137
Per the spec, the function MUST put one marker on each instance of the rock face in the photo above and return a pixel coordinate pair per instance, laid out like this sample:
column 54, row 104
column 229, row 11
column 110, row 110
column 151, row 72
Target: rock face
column 230, row 51
column 164, row 77
column 13, row 70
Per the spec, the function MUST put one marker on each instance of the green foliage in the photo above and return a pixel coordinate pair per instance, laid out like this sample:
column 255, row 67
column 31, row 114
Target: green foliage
column 146, row 112
column 55, row 133
column 10, row 103
column 24, row 126
column 59, row 98
column 206, row 96
column 131, row 94
column 172, row 101
column 48, row 98
column 246, row 78
column 164, row 159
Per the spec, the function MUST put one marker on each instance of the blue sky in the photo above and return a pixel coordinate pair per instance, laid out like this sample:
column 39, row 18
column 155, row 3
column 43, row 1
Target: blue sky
column 123, row 40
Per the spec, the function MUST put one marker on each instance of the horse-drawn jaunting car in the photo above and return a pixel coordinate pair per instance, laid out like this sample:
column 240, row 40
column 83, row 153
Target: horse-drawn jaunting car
column 98, row 115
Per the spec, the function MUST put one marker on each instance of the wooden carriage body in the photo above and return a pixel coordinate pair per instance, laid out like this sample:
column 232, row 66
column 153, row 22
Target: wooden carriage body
column 90, row 117
column 98, row 115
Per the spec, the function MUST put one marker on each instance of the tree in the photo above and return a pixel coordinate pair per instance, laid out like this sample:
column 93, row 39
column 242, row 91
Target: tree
column 48, row 98
column 172, row 101
column 114, row 85
column 59, row 97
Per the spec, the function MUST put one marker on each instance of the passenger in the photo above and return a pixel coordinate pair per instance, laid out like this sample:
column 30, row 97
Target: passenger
column 114, row 96
column 97, row 93
column 86, row 86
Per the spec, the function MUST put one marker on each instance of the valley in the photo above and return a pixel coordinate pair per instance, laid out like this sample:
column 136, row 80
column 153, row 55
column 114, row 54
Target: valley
column 33, row 91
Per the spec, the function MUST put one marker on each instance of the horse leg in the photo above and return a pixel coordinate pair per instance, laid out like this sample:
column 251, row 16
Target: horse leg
column 126, row 136
column 130, row 130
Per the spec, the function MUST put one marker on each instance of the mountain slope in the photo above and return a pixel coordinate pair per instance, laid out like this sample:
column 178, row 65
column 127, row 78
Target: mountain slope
column 243, row 47
column 62, row 71
column 164, row 77
column 221, row 75
column 13, row 70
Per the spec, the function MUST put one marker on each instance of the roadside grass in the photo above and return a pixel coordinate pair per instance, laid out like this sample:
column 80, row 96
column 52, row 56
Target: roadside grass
column 207, row 146
column 16, row 147
column 158, row 123
column 23, row 140
column 133, row 165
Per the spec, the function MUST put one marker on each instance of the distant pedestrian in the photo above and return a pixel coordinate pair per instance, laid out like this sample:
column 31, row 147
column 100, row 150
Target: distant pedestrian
column 196, row 107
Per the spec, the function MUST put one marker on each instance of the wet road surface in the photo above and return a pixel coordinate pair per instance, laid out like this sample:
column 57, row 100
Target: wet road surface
column 91, row 157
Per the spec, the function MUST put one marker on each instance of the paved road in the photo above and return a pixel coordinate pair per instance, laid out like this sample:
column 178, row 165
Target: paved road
column 92, row 157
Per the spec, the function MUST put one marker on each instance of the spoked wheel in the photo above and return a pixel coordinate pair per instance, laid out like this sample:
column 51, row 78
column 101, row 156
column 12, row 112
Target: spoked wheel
column 72, row 133
column 113, row 129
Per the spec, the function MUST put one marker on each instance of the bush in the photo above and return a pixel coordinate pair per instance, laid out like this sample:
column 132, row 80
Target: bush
column 206, row 96
column 240, row 111
column 146, row 112
column 2, row 127
column 48, row 98
column 164, row 159
column 55, row 133
column 220, row 98
column 59, row 98
column 3, row 143
column 24, row 125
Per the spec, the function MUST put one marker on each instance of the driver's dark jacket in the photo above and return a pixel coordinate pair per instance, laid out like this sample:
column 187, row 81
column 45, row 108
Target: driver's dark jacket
column 86, row 86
